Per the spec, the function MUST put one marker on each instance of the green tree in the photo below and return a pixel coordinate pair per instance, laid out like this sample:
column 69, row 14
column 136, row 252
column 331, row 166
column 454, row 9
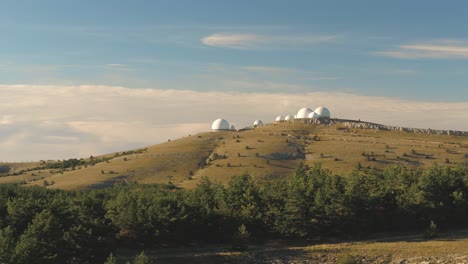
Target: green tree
column 38, row 244
column 242, row 200
column 241, row 238
column 7, row 244
column 111, row 259
column 142, row 259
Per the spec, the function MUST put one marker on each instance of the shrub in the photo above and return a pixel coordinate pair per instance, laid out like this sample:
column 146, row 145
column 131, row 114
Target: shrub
column 240, row 238
column 346, row 259
column 431, row 231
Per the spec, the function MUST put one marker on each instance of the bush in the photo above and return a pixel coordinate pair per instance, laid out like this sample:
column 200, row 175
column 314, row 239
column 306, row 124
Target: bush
column 241, row 238
column 431, row 231
column 346, row 259
column 141, row 259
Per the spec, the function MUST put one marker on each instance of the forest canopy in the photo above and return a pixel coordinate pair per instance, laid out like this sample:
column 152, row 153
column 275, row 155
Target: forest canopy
column 39, row 225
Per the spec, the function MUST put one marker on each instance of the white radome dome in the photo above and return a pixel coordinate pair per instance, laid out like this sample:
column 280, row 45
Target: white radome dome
column 279, row 118
column 288, row 117
column 304, row 113
column 313, row 115
column 220, row 124
column 322, row 112
column 258, row 123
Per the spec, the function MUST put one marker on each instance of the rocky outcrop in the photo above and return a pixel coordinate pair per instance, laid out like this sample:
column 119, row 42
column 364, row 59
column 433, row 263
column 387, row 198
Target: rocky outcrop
column 368, row 125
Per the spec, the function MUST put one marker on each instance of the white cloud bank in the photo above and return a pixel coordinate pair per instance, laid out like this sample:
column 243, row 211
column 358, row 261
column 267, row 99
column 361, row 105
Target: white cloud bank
column 256, row 41
column 442, row 49
column 56, row 122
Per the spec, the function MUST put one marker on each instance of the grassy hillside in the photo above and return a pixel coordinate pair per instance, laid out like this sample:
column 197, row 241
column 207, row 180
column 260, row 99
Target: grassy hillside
column 270, row 151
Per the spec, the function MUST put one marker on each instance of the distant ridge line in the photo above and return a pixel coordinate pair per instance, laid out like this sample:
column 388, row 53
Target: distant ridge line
column 350, row 123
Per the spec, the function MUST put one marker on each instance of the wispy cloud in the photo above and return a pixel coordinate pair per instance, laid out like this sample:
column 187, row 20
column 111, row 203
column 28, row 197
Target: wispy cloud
column 318, row 78
column 257, row 41
column 298, row 74
column 56, row 122
column 116, row 65
column 268, row 69
column 266, row 86
column 440, row 49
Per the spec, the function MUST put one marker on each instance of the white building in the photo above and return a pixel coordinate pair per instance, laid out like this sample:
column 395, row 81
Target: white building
column 303, row 113
column 322, row 112
column 313, row 115
column 258, row 123
column 279, row 118
column 220, row 125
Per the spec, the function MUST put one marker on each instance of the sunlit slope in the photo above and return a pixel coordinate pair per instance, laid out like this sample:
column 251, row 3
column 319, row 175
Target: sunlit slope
column 270, row 151
column 171, row 161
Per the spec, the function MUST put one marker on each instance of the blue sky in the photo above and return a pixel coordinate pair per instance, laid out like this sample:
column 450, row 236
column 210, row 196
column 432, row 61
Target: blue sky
column 406, row 49
column 80, row 78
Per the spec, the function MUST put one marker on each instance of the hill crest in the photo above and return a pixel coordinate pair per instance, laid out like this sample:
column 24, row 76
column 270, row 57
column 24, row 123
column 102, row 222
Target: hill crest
column 273, row 150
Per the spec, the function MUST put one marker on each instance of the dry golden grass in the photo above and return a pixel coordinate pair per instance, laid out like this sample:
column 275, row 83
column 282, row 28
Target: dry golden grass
column 270, row 151
column 449, row 248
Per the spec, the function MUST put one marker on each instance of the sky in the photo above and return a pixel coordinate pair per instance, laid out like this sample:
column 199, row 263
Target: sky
column 80, row 78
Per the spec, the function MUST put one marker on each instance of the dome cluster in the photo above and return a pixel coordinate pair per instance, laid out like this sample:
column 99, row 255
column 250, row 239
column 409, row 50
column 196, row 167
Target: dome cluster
column 305, row 113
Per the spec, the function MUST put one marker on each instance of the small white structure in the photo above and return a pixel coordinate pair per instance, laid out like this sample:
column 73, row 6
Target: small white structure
column 304, row 113
column 295, row 116
column 258, row 123
column 279, row 118
column 220, row 125
column 288, row 118
column 322, row 112
column 313, row 115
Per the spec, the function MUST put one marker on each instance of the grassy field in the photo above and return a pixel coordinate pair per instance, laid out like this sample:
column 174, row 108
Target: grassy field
column 273, row 150
column 407, row 248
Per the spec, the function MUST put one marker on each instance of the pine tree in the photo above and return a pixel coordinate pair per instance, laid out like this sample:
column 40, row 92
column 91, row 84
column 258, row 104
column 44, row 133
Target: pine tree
column 111, row 259
column 141, row 259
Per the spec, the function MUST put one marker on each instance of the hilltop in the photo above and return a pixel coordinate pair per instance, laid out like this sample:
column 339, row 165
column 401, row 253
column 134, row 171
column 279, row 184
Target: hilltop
column 273, row 150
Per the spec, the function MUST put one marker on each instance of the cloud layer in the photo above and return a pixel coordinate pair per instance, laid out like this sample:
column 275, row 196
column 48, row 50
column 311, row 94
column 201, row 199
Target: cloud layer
column 444, row 49
column 56, row 122
column 256, row 41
